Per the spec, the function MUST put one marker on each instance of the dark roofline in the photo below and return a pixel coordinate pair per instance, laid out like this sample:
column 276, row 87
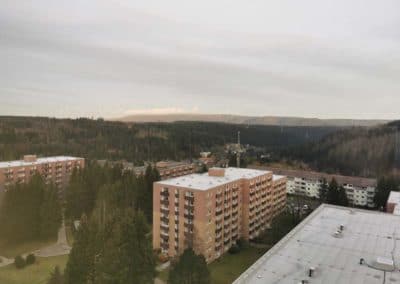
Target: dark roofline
column 355, row 181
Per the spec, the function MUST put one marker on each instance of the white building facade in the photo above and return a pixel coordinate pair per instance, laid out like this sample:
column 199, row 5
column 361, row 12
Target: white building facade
column 360, row 191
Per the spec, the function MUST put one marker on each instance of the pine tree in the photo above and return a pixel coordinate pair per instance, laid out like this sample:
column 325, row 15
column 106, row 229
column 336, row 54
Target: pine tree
column 50, row 214
column 126, row 255
column 332, row 194
column 81, row 259
column 342, row 197
column 56, row 277
column 189, row 269
column 323, row 191
column 20, row 211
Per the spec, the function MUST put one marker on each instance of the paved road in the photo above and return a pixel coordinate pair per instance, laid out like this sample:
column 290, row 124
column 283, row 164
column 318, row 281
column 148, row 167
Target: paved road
column 61, row 247
column 158, row 281
column 5, row 261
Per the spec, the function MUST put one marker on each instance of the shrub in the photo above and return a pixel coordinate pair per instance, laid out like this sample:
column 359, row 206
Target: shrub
column 19, row 262
column 234, row 249
column 30, row 259
column 243, row 244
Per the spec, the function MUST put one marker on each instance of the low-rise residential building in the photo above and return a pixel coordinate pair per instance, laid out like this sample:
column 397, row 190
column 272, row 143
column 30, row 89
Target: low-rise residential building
column 169, row 169
column 333, row 245
column 210, row 212
column 360, row 191
column 55, row 170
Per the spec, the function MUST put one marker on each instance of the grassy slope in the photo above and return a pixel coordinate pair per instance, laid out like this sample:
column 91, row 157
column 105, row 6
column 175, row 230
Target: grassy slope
column 12, row 250
column 37, row 273
column 230, row 266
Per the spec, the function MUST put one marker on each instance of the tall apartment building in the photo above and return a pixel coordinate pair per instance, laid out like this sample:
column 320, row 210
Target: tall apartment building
column 53, row 169
column 210, row 212
column 170, row 169
column 360, row 191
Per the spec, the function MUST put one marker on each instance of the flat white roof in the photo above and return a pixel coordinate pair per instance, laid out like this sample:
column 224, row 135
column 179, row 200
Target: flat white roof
column 367, row 234
column 22, row 163
column 277, row 177
column 205, row 182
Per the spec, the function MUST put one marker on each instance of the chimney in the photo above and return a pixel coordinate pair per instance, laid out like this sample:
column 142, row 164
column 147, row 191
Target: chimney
column 30, row 158
column 311, row 271
column 216, row 172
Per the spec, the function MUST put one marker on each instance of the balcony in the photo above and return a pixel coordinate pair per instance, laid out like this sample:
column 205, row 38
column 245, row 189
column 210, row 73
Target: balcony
column 164, row 210
column 188, row 216
column 164, row 246
column 189, row 199
column 188, row 206
column 188, row 226
column 164, row 235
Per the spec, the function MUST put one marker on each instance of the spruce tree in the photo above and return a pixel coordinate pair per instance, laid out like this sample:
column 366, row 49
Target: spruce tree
column 323, row 191
column 50, row 214
column 189, row 269
column 342, row 197
column 126, row 255
column 81, row 259
column 56, row 277
column 332, row 194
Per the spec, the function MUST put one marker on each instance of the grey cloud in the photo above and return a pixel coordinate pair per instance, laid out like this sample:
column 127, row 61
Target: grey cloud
column 103, row 65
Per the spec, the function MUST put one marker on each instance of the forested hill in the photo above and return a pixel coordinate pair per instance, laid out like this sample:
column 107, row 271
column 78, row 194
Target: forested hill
column 140, row 141
column 355, row 151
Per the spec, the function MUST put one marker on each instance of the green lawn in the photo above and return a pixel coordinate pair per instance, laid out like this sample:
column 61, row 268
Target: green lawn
column 229, row 267
column 163, row 275
column 37, row 273
column 12, row 250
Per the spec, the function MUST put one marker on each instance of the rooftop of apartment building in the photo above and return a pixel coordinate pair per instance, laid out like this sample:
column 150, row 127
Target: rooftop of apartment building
column 330, row 244
column 277, row 177
column 214, row 177
column 30, row 160
column 164, row 164
column 311, row 175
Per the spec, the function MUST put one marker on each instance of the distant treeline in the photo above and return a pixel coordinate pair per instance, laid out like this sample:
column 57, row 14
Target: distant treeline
column 99, row 139
column 359, row 151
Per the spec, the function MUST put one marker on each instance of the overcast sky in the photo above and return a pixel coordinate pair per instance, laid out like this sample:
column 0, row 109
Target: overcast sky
column 313, row 58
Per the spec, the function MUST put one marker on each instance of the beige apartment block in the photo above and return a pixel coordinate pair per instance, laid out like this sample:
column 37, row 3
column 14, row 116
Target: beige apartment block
column 210, row 212
column 55, row 170
column 169, row 169
column 279, row 195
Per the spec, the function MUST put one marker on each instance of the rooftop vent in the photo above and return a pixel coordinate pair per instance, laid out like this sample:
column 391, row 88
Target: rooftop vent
column 311, row 271
column 338, row 234
column 384, row 263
